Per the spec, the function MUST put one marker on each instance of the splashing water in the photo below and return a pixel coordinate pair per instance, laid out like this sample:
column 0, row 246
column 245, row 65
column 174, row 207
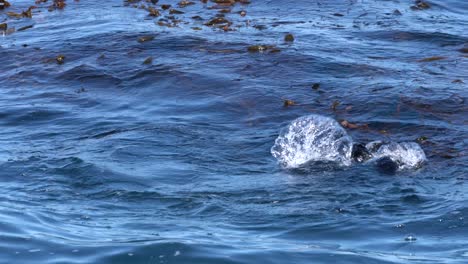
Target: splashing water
column 312, row 138
column 317, row 138
column 408, row 155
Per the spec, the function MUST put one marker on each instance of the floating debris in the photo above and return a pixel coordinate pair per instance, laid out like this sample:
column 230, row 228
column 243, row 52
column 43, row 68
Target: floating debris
column 60, row 59
column 435, row 58
column 289, row 38
column 316, row 86
column 145, row 38
column 3, row 26
column 57, row 4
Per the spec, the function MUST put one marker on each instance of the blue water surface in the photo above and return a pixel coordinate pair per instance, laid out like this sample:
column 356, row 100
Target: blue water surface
column 107, row 159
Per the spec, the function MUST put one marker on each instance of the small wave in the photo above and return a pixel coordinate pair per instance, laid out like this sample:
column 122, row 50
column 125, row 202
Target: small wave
column 312, row 138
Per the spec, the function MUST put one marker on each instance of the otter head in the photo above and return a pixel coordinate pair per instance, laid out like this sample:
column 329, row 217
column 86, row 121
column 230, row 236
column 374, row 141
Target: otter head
column 386, row 165
column 360, row 153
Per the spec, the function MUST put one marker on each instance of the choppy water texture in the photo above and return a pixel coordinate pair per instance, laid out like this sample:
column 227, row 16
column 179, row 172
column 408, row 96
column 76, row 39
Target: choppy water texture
column 104, row 159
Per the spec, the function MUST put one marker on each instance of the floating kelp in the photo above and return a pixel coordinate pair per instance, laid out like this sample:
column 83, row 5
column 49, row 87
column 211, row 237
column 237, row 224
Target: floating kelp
column 145, row 38
column 153, row 12
column 165, row 7
column 175, row 12
column 262, row 48
column 289, row 38
column 60, row 59
column 25, row 14
column 288, row 103
column 184, row 3
column 57, row 4
column 4, row 4
column 347, row 124
column 420, row 5
column 217, row 21
column 435, row 58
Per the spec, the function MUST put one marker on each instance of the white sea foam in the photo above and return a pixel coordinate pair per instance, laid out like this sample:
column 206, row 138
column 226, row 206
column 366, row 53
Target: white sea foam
column 312, row 138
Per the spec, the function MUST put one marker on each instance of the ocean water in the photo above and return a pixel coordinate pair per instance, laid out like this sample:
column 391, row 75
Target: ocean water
column 106, row 159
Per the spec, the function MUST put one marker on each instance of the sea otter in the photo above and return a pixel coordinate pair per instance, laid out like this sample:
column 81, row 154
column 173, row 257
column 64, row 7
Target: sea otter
column 384, row 164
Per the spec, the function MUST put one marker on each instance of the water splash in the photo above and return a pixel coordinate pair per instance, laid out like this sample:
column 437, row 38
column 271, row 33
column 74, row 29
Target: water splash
column 310, row 139
column 317, row 138
column 408, row 155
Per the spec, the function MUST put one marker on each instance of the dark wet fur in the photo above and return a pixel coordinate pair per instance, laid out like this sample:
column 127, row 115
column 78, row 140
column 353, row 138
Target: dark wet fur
column 386, row 165
column 360, row 153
